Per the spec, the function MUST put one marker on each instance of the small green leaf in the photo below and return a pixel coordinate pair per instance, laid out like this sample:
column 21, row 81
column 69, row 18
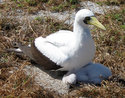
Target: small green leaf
column 123, row 27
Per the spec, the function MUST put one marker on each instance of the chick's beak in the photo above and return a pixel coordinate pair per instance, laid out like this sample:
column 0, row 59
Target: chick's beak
column 95, row 22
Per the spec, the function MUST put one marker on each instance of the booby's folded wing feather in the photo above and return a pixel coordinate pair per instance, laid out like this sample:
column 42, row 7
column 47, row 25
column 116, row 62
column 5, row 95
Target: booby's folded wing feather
column 61, row 38
column 54, row 46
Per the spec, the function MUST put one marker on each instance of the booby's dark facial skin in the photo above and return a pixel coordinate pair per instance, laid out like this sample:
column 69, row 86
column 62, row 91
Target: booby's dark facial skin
column 86, row 20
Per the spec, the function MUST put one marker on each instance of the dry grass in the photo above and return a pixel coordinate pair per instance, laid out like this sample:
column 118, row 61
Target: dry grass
column 110, row 51
column 32, row 6
column 13, row 81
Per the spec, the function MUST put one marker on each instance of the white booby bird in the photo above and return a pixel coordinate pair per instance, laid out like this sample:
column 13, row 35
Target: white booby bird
column 65, row 49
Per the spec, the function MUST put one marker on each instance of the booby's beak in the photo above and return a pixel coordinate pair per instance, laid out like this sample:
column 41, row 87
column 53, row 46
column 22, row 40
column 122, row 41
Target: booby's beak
column 95, row 22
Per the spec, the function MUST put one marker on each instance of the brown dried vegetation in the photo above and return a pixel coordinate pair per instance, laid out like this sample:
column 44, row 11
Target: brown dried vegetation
column 110, row 51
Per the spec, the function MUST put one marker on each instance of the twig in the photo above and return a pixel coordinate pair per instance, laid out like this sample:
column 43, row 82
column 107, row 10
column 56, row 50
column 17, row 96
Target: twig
column 32, row 28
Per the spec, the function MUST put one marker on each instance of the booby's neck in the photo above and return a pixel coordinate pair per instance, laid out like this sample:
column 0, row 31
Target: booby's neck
column 81, row 30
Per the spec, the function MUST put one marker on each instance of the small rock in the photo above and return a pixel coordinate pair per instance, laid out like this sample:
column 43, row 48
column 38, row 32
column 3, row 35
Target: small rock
column 92, row 6
column 19, row 11
column 1, row 1
column 11, row 72
column 97, row 8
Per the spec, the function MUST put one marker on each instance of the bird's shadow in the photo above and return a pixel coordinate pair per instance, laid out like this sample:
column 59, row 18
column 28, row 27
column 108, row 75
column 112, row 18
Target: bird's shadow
column 59, row 75
column 56, row 74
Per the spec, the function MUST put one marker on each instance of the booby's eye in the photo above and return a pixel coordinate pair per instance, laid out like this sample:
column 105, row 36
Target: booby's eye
column 86, row 20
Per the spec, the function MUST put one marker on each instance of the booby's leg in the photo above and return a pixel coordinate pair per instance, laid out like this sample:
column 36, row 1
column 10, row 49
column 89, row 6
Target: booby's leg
column 60, row 69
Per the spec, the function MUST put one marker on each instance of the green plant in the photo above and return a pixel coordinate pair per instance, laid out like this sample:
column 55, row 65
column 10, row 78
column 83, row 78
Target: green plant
column 122, row 26
column 73, row 1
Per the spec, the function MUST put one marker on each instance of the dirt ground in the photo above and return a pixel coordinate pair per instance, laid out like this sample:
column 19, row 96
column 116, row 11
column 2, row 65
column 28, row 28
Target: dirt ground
column 110, row 47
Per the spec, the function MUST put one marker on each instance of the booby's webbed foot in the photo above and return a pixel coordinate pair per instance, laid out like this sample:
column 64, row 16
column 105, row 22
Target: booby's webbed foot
column 69, row 78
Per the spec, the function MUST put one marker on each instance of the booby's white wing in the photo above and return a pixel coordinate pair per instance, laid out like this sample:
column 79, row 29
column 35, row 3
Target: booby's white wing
column 61, row 38
column 56, row 46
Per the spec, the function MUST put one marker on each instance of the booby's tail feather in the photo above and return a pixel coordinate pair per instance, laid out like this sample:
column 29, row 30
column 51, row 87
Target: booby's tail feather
column 26, row 50
column 22, row 49
column 34, row 54
column 18, row 51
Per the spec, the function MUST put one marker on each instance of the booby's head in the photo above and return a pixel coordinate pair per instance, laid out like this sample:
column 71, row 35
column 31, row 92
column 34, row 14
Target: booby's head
column 87, row 17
